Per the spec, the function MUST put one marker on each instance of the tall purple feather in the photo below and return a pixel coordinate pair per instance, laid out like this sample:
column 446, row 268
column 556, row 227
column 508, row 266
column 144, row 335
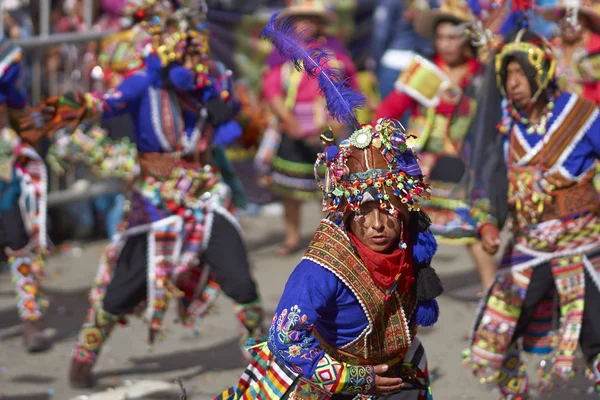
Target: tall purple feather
column 306, row 55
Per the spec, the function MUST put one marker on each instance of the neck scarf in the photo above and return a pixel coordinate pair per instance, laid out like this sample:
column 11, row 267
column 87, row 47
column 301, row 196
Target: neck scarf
column 385, row 268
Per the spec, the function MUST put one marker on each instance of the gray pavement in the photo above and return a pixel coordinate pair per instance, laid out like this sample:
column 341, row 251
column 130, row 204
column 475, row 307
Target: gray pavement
column 209, row 360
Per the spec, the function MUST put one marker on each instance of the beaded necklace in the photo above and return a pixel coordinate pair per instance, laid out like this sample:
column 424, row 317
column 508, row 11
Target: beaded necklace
column 541, row 126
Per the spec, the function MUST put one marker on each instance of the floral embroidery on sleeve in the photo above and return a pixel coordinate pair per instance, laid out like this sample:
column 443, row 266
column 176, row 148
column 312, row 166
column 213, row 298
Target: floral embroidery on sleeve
column 290, row 338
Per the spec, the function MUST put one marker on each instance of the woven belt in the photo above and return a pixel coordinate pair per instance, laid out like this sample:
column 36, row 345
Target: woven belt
column 161, row 165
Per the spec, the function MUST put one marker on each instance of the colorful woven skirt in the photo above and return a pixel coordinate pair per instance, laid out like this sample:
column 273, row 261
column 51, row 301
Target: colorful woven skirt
column 451, row 220
column 572, row 268
column 292, row 173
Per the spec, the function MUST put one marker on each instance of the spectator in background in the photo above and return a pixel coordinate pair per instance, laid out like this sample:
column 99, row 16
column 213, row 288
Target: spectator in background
column 111, row 18
column 577, row 48
column 395, row 41
column 72, row 19
column 17, row 20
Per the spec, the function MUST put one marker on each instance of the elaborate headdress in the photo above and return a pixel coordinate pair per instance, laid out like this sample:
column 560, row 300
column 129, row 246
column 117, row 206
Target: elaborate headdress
column 176, row 28
column 375, row 163
column 538, row 54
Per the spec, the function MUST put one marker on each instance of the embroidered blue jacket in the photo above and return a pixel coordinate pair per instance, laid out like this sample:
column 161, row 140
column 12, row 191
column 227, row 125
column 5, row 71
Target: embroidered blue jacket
column 161, row 113
column 581, row 152
column 314, row 298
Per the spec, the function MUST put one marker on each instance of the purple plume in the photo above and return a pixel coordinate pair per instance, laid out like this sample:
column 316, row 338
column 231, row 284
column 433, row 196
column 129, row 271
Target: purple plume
column 307, row 55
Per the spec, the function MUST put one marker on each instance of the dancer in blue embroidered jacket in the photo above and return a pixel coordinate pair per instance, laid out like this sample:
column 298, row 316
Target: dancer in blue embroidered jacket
column 181, row 212
column 346, row 324
column 543, row 161
column 22, row 202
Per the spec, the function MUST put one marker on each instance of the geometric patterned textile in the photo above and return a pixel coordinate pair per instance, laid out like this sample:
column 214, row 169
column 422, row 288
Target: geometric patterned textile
column 96, row 328
column 30, row 301
column 491, row 354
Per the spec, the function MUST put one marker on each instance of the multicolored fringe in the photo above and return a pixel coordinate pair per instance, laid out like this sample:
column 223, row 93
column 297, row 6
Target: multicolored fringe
column 500, row 310
column 91, row 145
column 30, row 301
column 192, row 310
column 265, row 378
column 97, row 327
column 199, row 286
column 106, row 267
column 164, row 248
column 269, row 378
column 27, row 263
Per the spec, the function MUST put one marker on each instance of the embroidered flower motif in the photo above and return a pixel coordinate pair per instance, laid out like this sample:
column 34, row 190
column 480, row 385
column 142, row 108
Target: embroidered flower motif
column 290, row 334
column 295, row 351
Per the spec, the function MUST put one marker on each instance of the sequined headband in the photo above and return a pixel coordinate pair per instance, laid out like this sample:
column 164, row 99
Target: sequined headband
column 401, row 183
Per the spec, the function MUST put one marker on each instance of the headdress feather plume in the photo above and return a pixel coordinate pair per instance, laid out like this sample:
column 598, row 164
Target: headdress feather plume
column 306, row 55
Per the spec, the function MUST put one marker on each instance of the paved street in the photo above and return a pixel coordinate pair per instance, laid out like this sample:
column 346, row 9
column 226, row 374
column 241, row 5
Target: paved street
column 208, row 361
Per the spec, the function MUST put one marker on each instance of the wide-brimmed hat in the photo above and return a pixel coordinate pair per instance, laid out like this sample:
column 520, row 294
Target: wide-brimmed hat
column 587, row 8
column 450, row 10
column 308, row 8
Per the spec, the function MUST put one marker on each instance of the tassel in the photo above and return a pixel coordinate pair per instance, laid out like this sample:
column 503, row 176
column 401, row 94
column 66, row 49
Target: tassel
column 424, row 248
column 429, row 285
column 427, row 313
column 423, row 221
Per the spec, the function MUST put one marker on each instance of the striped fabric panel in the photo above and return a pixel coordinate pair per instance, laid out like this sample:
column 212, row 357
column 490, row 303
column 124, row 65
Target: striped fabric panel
column 265, row 378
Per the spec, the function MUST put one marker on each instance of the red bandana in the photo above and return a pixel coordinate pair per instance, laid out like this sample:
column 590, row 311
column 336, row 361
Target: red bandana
column 384, row 267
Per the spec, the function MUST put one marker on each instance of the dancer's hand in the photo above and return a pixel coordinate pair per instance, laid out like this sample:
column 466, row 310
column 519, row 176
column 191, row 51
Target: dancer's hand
column 490, row 238
column 384, row 385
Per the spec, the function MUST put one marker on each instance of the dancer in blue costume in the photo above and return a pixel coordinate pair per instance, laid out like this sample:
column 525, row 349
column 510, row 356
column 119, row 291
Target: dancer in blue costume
column 545, row 298
column 346, row 324
column 180, row 217
column 22, row 201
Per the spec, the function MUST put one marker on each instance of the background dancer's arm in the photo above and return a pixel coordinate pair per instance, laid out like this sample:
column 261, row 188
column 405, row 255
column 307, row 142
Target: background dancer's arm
column 117, row 101
column 486, row 223
column 89, row 143
column 309, row 291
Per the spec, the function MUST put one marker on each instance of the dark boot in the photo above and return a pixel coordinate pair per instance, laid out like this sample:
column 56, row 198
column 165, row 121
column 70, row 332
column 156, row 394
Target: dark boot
column 80, row 374
column 34, row 339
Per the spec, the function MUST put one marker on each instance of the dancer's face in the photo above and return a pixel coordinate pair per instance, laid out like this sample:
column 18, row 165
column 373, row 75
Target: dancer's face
column 450, row 43
column 517, row 85
column 377, row 229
